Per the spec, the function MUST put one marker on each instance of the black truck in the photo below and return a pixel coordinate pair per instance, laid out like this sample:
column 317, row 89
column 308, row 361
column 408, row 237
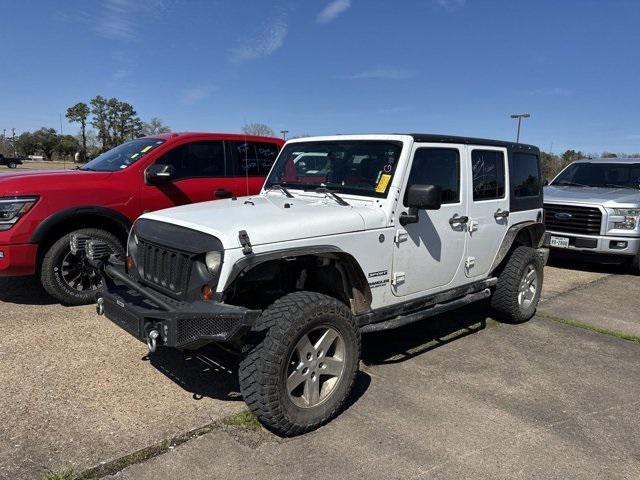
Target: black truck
column 10, row 162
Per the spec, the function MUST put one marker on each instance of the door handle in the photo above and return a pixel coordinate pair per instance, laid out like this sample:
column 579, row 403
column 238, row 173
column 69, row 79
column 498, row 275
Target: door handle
column 456, row 220
column 501, row 214
column 223, row 193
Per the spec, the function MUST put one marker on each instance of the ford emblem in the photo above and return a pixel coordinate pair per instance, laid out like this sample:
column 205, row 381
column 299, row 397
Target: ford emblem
column 563, row 216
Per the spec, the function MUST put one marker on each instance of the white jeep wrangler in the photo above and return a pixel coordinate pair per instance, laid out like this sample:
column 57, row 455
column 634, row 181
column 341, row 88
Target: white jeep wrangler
column 380, row 231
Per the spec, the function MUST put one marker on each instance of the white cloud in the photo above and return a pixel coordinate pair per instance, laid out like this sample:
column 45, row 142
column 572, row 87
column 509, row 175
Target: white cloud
column 332, row 10
column 550, row 92
column 451, row 5
column 380, row 73
column 269, row 39
column 195, row 94
column 117, row 21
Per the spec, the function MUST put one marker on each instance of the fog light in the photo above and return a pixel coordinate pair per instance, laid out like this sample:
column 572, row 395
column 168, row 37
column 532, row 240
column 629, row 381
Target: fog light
column 618, row 244
column 207, row 293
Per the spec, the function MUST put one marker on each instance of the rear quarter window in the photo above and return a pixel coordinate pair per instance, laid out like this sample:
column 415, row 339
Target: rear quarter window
column 525, row 176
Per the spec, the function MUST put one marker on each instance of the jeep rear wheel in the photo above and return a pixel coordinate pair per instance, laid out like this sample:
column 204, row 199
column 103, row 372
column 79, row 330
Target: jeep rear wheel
column 519, row 286
column 69, row 278
column 300, row 371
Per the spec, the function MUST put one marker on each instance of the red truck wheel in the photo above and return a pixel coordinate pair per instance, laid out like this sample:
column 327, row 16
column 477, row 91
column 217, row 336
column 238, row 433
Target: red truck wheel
column 69, row 278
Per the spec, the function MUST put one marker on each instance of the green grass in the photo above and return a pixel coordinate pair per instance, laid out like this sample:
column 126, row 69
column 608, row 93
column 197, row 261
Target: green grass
column 243, row 420
column 59, row 474
column 605, row 331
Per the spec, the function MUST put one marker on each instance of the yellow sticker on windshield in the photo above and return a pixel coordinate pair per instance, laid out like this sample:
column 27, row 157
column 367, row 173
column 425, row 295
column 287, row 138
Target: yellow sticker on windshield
column 383, row 183
column 146, row 149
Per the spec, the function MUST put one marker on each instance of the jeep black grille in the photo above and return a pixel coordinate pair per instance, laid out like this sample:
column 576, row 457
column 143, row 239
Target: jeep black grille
column 571, row 219
column 164, row 268
column 195, row 328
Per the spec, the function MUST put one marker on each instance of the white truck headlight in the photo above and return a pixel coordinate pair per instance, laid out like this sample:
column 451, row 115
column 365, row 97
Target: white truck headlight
column 625, row 218
column 11, row 209
column 213, row 260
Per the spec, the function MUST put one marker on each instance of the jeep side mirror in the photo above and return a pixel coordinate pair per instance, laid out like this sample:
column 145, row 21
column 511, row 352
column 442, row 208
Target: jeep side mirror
column 159, row 174
column 421, row 197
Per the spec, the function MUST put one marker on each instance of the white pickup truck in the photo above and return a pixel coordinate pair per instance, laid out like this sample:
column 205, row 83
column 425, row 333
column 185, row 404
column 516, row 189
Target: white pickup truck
column 378, row 231
column 592, row 211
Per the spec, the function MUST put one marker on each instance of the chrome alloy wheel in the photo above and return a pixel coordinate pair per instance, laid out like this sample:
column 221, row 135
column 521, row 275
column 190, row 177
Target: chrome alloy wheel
column 528, row 286
column 315, row 367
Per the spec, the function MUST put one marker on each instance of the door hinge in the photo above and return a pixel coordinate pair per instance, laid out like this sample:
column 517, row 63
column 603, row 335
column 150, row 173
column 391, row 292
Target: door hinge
column 472, row 225
column 397, row 278
column 470, row 262
column 401, row 236
column 243, row 236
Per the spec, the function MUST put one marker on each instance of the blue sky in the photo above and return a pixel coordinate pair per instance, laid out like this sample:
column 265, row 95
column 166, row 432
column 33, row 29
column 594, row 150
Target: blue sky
column 341, row 66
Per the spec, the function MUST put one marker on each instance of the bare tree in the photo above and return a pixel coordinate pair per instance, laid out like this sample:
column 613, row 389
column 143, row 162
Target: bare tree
column 155, row 127
column 258, row 129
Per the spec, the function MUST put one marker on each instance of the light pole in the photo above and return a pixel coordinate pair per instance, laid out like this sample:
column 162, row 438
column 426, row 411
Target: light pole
column 284, row 134
column 519, row 116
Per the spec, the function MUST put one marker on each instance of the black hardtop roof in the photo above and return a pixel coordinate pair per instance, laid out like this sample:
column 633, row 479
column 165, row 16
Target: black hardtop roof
column 435, row 138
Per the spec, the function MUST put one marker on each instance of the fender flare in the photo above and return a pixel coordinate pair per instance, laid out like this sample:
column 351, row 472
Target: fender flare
column 57, row 218
column 536, row 231
column 354, row 272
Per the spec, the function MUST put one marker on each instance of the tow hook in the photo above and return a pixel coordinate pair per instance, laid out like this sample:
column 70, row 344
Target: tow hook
column 152, row 340
column 100, row 306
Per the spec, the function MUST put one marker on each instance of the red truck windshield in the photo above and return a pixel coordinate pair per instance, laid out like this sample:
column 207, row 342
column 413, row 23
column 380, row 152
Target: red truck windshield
column 123, row 155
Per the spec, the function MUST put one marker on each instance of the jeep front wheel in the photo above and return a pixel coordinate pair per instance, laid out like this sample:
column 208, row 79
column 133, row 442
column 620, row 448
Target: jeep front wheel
column 69, row 278
column 300, row 371
column 519, row 286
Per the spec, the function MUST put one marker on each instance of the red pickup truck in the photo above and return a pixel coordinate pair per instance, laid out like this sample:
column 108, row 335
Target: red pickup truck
column 40, row 210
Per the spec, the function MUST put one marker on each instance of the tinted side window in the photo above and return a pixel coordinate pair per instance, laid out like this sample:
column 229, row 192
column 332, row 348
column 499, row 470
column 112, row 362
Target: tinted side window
column 487, row 167
column 437, row 166
column 525, row 175
column 197, row 159
column 255, row 158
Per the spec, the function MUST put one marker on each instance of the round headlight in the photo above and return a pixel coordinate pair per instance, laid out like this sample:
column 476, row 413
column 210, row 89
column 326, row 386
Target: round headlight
column 213, row 260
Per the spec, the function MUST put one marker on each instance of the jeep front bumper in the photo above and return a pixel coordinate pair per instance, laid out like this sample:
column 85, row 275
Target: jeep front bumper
column 140, row 311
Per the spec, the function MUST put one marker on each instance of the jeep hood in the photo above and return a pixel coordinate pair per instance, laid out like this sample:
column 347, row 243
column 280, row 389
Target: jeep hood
column 269, row 219
column 608, row 197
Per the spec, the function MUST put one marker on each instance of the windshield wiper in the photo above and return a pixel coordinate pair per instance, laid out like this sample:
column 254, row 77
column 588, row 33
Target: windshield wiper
column 332, row 194
column 277, row 186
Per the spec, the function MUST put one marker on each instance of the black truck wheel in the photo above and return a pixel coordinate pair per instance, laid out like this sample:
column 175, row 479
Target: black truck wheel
column 12, row 165
column 519, row 285
column 69, row 278
column 301, row 369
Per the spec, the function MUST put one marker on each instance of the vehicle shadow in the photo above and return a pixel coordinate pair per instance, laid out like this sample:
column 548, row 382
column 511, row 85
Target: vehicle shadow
column 399, row 345
column 213, row 372
column 208, row 372
column 24, row 291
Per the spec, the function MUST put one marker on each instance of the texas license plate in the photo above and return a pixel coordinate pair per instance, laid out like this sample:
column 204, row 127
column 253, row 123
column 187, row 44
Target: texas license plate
column 560, row 242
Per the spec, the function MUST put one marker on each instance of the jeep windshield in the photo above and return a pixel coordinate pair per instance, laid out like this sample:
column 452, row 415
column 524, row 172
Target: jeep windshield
column 600, row 174
column 359, row 167
column 123, row 155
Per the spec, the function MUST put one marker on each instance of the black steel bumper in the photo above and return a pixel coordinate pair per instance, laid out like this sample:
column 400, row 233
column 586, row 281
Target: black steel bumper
column 140, row 310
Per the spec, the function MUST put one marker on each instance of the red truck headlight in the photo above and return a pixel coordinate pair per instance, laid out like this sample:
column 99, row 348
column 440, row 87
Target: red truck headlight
column 12, row 208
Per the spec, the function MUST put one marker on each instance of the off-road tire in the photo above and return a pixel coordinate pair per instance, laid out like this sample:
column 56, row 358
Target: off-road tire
column 263, row 369
column 504, row 300
column 50, row 270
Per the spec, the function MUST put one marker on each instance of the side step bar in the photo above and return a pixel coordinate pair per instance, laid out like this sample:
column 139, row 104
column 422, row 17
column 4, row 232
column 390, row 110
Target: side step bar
column 436, row 309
